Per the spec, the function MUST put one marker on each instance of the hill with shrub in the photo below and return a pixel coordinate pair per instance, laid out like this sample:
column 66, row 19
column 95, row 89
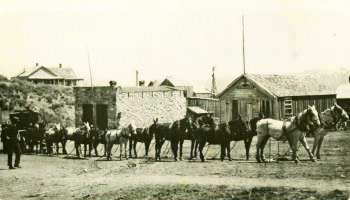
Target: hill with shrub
column 54, row 103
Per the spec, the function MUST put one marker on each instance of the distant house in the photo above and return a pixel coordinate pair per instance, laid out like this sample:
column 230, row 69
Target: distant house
column 278, row 96
column 179, row 85
column 54, row 75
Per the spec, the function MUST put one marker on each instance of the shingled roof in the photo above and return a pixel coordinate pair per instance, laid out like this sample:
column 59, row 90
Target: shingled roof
column 57, row 73
column 287, row 85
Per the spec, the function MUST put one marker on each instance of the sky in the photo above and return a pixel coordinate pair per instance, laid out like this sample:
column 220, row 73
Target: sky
column 182, row 39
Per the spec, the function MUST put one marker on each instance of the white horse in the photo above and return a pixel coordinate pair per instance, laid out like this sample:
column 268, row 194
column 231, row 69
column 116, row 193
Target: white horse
column 119, row 136
column 293, row 131
column 329, row 120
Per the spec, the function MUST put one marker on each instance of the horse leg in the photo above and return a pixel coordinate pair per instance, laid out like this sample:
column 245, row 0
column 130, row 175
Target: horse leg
column 174, row 149
column 125, row 150
column 156, row 150
column 95, row 147
column 306, row 146
column 201, row 147
column 147, row 148
column 223, row 149
column 77, row 145
column 263, row 144
column 258, row 147
column 64, row 151
column 130, row 148
column 192, row 147
column 247, row 143
column 319, row 147
column 315, row 144
column 181, row 145
column 57, row 147
column 228, row 149
column 135, row 152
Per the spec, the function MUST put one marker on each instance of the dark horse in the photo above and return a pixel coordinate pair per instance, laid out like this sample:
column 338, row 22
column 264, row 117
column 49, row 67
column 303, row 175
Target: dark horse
column 36, row 136
column 181, row 130
column 55, row 135
column 161, row 132
column 84, row 136
column 143, row 135
column 211, row 133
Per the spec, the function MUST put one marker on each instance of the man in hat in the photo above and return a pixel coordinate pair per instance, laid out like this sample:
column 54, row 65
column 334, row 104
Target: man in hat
column 12, row 139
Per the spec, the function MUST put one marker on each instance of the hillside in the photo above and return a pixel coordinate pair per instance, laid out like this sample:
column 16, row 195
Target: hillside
column 54, row 103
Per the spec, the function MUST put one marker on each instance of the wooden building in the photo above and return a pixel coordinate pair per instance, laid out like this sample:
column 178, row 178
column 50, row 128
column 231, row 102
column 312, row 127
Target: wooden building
column 60, row 75
column 343, row 96
column 277, row 96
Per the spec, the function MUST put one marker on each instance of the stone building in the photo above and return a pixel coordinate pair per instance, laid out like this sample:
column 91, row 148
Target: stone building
column 100, row 105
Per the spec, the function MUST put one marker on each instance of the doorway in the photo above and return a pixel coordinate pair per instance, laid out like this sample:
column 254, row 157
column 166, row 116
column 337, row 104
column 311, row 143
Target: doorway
column 102, row 116
column 88, row 113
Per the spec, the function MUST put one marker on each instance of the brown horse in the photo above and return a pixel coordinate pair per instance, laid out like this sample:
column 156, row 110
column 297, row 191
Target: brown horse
column 142, row 135
column 161, row 132
column 211, row 133
column 293, row 131
column 329, row 120
column 181, row 130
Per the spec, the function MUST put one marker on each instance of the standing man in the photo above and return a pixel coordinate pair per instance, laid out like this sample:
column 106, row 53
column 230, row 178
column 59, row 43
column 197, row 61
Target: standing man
column 12, row 140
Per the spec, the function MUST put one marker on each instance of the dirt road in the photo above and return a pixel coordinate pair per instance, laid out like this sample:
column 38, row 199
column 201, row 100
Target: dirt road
column 60, row 177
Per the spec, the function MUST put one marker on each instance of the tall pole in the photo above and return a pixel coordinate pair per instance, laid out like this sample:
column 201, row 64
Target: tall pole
column 88, row 55
column 243, row 50
column 213, row 83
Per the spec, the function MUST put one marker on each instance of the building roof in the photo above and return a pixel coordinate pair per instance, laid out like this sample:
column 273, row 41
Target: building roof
column 173, row 81
column 343, row 91
column 147, row 89
column 287, row 85
column 50, row 73
column 197, row 110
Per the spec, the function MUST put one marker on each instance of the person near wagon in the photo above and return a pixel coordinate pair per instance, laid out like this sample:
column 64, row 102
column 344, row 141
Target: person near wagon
column 12, row 144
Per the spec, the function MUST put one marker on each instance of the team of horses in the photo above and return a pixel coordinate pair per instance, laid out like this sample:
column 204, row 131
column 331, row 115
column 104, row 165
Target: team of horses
column 200, row 132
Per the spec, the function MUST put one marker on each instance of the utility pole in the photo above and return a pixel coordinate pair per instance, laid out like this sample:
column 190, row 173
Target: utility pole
column 213, row 83
column 243, row 48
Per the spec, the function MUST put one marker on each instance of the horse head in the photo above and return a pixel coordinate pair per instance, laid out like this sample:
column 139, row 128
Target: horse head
column 308, row 119
column 154, row 127
column 340, row 114
column 132, row 129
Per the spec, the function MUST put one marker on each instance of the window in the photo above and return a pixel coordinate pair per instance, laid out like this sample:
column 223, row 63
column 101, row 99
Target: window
column 288, row 108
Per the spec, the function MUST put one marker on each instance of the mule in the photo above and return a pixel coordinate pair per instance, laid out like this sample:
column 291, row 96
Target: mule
column 161, row 132
column 293, row 131
column 329, row 120
column 36, row 134
column 181, row 130
column 121, row 137
column 82, row 136
column 212, row 133
column 142, row 135
column 57, row 135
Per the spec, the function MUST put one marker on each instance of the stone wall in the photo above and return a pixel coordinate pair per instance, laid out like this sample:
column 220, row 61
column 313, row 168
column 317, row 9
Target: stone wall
column 142, row 107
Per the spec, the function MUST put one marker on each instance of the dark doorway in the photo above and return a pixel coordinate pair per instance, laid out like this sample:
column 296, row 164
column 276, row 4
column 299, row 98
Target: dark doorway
column 88, row 113
column 102, row 116
column 235, row 112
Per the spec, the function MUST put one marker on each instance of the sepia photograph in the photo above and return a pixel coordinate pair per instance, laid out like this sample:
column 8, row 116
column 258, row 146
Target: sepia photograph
column 177, row 99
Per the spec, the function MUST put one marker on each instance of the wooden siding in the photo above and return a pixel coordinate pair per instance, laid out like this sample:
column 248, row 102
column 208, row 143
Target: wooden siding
column 300, row 103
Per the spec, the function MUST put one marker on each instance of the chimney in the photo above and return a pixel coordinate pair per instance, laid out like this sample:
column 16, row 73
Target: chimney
column 112, row 83
column 60, row 65
column 36, row 64
column 137, row 78
column 142, row 83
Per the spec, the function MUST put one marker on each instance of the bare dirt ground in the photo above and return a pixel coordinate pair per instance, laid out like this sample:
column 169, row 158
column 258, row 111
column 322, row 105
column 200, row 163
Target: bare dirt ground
column 61, row 177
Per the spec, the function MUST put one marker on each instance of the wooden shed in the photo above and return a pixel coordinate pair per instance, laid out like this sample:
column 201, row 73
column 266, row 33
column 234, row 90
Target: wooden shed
column 277, row 96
